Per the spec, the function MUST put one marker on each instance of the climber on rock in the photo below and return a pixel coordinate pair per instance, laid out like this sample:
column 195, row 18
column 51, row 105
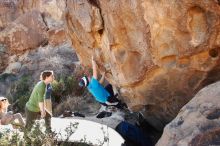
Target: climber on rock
column 104, row 95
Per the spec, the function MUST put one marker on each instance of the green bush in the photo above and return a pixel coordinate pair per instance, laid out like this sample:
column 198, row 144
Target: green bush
column 8, row 137
column 66, row 86
column 6, row 76
column 21, row 92
column 58, row 88
column 39, row 137
column 72, row 86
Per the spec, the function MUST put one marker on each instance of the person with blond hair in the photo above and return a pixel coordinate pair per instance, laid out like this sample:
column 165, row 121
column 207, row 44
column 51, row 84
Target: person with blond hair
column 8, row 117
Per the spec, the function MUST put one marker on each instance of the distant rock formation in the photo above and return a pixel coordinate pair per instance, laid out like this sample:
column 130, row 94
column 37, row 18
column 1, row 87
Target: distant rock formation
column 32, row 39
column 198, row 121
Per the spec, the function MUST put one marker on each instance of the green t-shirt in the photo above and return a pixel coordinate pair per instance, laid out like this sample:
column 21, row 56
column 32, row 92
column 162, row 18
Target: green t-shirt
column 37, row 96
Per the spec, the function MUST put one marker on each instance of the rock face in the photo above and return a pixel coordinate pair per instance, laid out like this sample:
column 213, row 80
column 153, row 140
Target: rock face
column 9, row 12
column 158, row 53
column 197, row 122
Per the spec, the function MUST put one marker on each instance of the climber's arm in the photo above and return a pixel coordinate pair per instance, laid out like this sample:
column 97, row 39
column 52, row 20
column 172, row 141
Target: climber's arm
column 94, row 68
column 101, row 81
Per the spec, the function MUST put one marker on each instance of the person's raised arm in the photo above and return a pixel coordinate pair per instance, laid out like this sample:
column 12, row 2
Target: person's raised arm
column 102, row 78
column 94, row 69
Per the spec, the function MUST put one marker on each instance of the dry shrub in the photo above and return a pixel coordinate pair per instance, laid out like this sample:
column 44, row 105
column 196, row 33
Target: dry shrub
column 83, row 104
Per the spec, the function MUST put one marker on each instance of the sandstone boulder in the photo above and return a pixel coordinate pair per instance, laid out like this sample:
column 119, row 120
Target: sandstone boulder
column 158, row 53
column 198, row 121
